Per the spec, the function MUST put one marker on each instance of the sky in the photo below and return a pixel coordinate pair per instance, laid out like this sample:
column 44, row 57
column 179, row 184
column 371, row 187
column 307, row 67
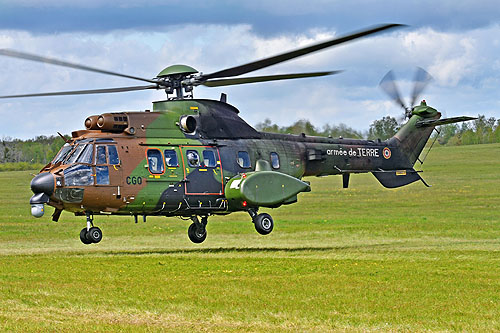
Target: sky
column 457, row 42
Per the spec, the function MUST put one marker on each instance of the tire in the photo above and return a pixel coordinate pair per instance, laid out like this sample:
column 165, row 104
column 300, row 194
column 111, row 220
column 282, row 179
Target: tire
column 83, row 237
column 94, row 235
column 195, row 235
column 264, row 223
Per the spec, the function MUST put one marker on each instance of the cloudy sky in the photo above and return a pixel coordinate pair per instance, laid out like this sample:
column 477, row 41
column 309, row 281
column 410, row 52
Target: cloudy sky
column 457, row 42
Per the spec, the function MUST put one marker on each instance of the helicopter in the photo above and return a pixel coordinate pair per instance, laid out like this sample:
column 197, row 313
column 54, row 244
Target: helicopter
column 195, row 158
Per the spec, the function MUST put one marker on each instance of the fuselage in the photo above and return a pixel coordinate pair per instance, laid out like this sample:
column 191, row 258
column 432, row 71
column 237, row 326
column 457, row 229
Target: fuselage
column 154, row 163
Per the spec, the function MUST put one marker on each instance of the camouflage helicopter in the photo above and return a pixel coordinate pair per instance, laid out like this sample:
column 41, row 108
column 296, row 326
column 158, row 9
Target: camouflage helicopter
column 194, row 158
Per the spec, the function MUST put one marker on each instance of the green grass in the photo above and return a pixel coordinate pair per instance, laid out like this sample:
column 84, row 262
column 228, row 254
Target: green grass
column 361, row 259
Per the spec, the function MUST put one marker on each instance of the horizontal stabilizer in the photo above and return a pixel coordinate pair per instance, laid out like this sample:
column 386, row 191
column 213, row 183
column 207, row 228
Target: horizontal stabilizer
column 438, row 122
column 397, row 178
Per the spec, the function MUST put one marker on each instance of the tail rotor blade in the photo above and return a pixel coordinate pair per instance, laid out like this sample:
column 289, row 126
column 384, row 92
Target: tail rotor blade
column 388, row 85
column 422, row 79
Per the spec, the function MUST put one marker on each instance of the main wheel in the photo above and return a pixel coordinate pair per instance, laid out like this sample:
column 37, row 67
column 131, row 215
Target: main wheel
column 94, row 235
column 196, row 235
column 83, row 237
column 263, row 223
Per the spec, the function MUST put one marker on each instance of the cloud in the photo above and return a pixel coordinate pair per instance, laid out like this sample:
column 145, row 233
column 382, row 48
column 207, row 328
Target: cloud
column 465, row 66
column 266, row 17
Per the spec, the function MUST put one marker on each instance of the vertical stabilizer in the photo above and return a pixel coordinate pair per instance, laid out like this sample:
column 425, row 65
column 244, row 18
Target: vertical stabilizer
column 412, row 138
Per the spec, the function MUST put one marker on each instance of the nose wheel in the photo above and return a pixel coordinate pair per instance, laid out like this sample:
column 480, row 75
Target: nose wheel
column 90, row 234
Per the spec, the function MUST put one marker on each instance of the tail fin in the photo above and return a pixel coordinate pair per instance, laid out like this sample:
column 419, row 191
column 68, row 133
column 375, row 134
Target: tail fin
column 411, row 138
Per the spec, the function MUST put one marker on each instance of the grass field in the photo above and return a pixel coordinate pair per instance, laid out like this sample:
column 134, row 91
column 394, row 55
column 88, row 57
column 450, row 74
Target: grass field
column 358, row 259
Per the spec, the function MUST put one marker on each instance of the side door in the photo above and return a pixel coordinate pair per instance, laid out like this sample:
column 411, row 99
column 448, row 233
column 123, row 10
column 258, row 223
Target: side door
column 108, row 171
column 202, row 170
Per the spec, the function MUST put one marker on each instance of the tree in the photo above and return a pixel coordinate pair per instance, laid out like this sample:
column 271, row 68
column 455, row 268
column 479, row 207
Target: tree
column 267, row 126
column 341, row 130
column 383, row 129
column 446, row 132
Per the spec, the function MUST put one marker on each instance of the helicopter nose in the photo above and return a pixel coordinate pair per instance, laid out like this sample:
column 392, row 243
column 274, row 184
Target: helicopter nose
column 43, row 183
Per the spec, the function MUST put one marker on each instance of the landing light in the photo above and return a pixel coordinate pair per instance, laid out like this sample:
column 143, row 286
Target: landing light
column 37, row 210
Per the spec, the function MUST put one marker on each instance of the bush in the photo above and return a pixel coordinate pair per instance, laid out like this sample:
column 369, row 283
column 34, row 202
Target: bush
column 20, row 166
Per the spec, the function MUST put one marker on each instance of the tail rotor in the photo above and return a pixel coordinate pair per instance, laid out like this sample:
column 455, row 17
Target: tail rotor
column 389, row 86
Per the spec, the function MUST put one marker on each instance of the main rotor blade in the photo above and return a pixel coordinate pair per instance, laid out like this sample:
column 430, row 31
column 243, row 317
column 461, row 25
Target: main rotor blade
column 263, row 63
column 85, row 92
column 254, row 79
column 422, row 79
column 389, row 86
column 33, row 57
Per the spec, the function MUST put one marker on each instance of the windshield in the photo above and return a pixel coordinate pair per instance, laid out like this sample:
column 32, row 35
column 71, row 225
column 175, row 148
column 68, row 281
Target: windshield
column 62, row 153
column 78, row 175
column 83, row 153
column 87, row 154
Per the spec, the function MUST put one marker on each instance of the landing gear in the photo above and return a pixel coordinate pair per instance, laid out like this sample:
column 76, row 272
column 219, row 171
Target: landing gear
column 263, row 222
column 90, row 234
column 83, row 236
column 197, row 231
column 94, row 234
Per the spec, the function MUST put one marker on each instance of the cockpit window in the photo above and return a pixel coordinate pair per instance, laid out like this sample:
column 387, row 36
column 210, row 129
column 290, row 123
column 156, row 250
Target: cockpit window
column 63, row 153
column 86, row 155
column 101, row 155
column 78, row 175
column 113, row 155
column 73, row 156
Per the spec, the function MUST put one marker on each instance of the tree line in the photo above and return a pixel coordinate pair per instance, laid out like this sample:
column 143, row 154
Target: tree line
column 39, row 150
column 27, row 154
column 481, row 130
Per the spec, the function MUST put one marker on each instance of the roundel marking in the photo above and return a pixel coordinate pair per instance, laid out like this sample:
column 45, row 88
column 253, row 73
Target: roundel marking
column 387, row 153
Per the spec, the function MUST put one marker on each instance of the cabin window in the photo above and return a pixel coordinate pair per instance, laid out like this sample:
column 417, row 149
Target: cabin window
column 171, row 158
column 193, row 158
column 113, row 155
column 244, row 159
column 155, row 161
column 275, row 160
column 78, row 175
column 209, row 158
column 101, row 155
